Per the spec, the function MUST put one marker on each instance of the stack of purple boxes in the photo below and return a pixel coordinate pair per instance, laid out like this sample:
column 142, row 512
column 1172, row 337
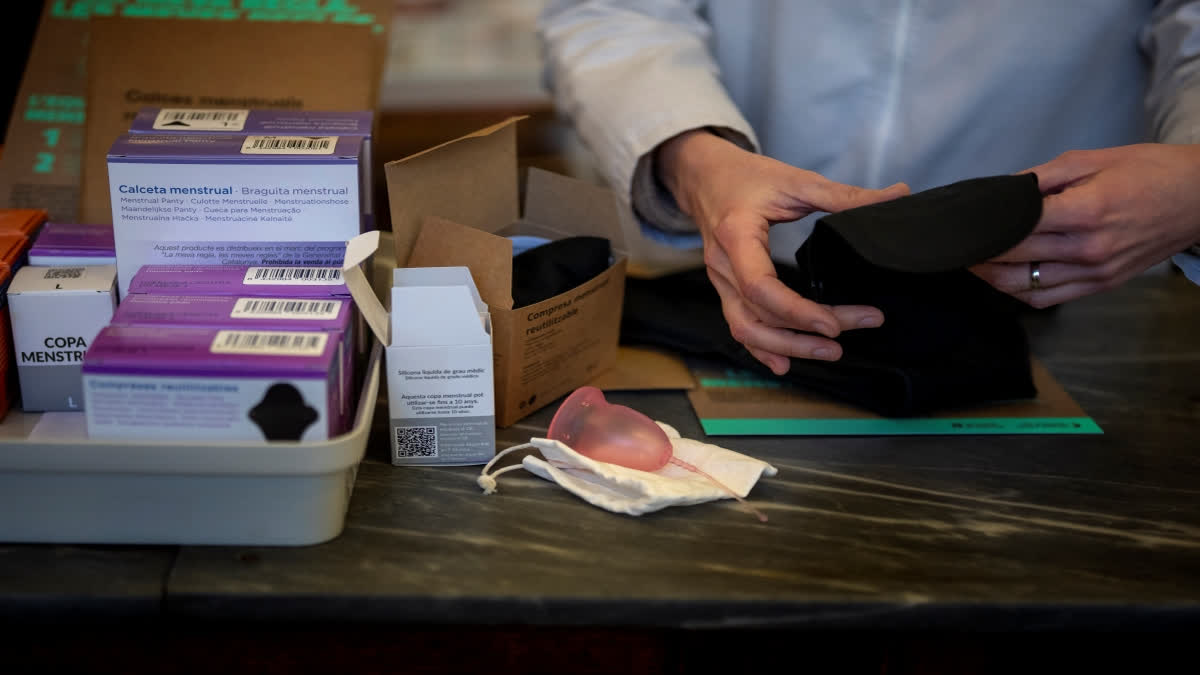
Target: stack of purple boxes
column 259, row 349
column 225, row 353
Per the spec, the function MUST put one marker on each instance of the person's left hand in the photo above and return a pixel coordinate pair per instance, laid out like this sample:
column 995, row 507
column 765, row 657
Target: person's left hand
column 1107, row 216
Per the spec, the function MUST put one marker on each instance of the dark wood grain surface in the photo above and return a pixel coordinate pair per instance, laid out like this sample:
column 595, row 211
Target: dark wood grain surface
column 1012, row 531
column 908, row 534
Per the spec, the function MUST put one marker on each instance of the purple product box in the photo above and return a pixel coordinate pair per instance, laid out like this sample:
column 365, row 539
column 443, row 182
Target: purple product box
column 152, row 120
column 211, row 383
column 233, row 200
column 241, row 281
column 263, row 121
column 73, row 244
column 332, row 315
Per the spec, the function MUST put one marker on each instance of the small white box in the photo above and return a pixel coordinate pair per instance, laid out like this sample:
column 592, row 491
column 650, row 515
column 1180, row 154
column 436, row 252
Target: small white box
column 56, row 313
column 441, row 400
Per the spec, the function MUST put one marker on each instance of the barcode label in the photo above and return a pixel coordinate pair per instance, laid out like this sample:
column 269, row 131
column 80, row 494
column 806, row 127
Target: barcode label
column 200, row 120
column 275, row 308
column 416, row 442
column 295, row 276
column 64, row 273
column 281, row 343
column 289, row 145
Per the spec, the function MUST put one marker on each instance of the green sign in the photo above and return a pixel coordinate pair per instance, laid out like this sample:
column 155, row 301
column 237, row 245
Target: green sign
column 899, row 426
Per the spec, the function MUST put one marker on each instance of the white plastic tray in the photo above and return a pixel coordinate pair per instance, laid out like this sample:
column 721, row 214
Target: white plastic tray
column 57, row 485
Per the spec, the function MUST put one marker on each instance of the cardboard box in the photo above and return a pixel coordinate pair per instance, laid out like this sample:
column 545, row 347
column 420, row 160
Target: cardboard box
column 202, row 383
column 450, row 206
column 56, row 313
column 267, row 122
column 246, row 65
column 45, row 139
column 441, row 400
column 72, row 245
column 260, row 200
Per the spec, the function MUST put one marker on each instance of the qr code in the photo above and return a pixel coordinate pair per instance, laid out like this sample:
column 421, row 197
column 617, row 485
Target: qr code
column 64, row 273
column 416, row 442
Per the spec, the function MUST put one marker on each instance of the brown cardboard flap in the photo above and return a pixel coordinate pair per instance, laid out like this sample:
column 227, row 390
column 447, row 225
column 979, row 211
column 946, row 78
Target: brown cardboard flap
column 471, row 180
column 572, row 207
column 213, row 64
column 445, row 243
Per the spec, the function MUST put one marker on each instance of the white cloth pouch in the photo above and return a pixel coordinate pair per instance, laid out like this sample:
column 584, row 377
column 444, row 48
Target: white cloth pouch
column 623, row 490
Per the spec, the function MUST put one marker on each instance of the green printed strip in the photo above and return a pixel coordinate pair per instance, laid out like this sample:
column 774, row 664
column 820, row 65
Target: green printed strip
column 54, row 109
column 330, row 11
column 742, row 382
column 899, row 426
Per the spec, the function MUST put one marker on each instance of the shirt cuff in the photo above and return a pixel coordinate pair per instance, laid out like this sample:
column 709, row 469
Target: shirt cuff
column 1189, row 262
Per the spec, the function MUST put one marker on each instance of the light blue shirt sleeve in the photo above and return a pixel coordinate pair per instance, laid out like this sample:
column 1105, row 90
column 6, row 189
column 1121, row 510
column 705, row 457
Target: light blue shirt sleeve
column 1189, row 262
column 1171, row 42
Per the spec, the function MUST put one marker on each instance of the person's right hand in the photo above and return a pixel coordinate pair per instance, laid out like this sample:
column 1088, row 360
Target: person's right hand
column 734, row 196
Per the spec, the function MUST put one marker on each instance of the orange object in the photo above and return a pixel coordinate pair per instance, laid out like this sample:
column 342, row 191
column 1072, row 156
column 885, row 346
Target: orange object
column 8, row 374
column 13, row 248
column 22, row 221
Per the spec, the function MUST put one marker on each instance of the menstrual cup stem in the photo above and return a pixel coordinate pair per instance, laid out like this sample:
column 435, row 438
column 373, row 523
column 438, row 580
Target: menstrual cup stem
column 762, row 517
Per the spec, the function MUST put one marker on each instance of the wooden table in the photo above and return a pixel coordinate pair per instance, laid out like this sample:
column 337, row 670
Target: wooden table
column 907, row 550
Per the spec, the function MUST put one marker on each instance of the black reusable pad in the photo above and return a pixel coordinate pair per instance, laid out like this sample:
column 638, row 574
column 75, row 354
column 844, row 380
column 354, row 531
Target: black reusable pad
column 949, row 339
column 944, row 228
column 558, row 266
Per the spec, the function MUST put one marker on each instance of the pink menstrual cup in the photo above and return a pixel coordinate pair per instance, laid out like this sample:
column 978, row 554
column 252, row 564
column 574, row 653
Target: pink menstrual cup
column 606, row 432
column 617, row 434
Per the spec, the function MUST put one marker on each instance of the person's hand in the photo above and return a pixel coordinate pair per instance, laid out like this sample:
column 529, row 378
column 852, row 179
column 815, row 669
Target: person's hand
column 1108, row 215
column 734, row 196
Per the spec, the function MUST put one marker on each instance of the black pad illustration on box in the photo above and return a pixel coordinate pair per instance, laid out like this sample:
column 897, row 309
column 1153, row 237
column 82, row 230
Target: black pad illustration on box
column 282, row 414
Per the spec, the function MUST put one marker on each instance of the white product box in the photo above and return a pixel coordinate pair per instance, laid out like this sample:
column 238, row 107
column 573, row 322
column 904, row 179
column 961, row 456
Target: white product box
column 233, row 200
column 56, row 313
column 441, row 401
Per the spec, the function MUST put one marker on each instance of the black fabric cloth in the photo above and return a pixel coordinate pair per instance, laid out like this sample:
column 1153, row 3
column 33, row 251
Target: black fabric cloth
column 949, row 340
column 558, row 266
column 944, row 228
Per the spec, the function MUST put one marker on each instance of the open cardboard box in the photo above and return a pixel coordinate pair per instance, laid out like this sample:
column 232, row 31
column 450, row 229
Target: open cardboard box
column 454, row 205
